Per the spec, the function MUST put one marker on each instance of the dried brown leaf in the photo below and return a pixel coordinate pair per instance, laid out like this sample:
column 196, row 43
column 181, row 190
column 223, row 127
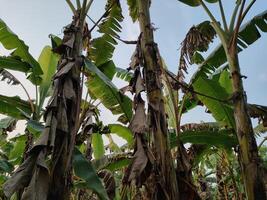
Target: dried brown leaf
column 65, row 69
column 38, row 187
column 109, row 182
column 258, row 111
column 69, row 40
column 200, row 127
column 9, row 77
column 68, row 90
column 139, row 160
column 138, row 122
column 21, row 176
column 139, row 85
column 135, row 60
column 48, row 135
column 62, row 117
column 198, row 38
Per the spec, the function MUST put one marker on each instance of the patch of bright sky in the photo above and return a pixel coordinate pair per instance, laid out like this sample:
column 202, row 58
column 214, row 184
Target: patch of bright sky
column 34, row 20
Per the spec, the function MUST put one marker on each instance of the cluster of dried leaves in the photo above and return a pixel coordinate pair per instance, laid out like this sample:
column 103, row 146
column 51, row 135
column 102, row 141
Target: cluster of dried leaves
column 258, row 111
column 197, row 39
column 139, row 170
column 35, row 175
column 8, row 77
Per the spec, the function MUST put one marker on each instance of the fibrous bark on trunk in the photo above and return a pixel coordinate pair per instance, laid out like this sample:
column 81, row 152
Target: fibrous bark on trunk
column 251, row 166
column 65, row 107
column 156, row 113
column 35, row 177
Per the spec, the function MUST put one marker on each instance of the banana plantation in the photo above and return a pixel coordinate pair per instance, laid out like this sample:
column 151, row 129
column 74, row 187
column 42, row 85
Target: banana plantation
column 65, row 150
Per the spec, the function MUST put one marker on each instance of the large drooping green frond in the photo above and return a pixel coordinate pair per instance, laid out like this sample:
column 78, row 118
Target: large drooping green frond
column 20, row 53
column 219, row 86
column 86, row 172
column 248, row 34
column 14, row 63
column 110, row 96
column 98, row 145
column 15, row 107
column 103, row 46
column 224, row 138
column 220, row 109
column 48, row 61
column 122, row 131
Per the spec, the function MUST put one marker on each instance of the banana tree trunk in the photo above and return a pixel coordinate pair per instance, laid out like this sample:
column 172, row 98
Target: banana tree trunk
column 251, row 166
column 65, row 107
column 156, row 112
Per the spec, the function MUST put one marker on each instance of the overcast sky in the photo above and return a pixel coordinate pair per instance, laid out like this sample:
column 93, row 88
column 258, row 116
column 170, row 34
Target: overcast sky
column 34, row 20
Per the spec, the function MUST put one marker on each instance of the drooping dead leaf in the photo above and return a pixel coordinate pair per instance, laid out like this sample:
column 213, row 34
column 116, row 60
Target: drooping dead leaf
column 138, row 122
column 64, row 70
column 69, row 40
column 33, row 175
column 9, row 77
column 258, row 111
column 138, row 87
column 135, row 59
column 21, row 176
column 68, row 90
column 139, row 160
column 62, row 117
column 38, row 187
column 48, row 133
column 198, row 38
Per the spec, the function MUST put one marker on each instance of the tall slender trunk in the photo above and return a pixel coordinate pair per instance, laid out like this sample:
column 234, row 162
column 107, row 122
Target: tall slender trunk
column 38, row 179
column 156, row 112
column 251, row 166
column 65, row 107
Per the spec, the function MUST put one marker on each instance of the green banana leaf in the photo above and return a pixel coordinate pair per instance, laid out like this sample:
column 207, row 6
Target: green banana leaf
column 133, row 9
column 84, row 169
column 222, row 138
column 15, row 107
column 103, row 89
column 248, row 34
column 13, row 63
column 98, row 145
column 109, row 27
column 48, row 62
column 12, row 42
column 122, row 131
column 222, row 111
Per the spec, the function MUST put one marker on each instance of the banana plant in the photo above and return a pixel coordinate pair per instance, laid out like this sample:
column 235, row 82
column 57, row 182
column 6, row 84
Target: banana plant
column 231, row 37
column 21, row 60
column 99, row 70
column 40, row 74
column 70, row 46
